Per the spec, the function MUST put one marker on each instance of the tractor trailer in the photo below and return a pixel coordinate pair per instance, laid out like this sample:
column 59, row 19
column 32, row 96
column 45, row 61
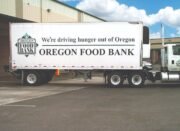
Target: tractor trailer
column 117, row 49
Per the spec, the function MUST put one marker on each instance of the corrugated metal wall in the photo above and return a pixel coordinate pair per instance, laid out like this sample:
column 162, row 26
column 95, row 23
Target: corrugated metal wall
column 44, row 11
column 54, row 12
column 8, row 7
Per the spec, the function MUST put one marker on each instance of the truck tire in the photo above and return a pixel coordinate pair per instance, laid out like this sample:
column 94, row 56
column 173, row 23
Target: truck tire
column 46, row 76
column 115, row 79
column 136, row 79
column 43, row 77
column 32, row 78
column 50, row 75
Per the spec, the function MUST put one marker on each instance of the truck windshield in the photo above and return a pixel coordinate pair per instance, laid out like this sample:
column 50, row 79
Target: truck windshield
column 176, row 50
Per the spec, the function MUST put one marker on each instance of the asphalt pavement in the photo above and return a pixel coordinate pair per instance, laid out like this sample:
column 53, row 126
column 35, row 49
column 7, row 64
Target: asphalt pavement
column 89, row 106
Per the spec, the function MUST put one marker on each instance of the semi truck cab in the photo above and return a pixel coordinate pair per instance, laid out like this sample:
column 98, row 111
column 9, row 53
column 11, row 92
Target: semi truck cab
column 171, row 69
column 172, row 57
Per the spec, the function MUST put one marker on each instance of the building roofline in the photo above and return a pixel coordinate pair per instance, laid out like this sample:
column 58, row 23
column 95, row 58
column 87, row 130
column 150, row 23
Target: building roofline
column 165, row 38
column 78, row 10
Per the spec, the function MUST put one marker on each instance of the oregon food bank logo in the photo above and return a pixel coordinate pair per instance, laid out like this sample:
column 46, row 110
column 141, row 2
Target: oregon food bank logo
column 26, row 45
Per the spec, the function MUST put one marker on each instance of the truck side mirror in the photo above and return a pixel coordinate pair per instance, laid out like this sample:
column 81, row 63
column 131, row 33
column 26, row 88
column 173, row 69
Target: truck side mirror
column 145, row 35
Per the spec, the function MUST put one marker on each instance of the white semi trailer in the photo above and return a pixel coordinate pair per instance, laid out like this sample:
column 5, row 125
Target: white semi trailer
column 115, row 48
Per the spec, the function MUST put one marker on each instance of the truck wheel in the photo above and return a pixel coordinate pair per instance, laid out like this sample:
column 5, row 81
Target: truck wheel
column 32, row 78
column 46, row 76
column 50, row 75
column 115, row 79
column 136, row 79
column 43, row 77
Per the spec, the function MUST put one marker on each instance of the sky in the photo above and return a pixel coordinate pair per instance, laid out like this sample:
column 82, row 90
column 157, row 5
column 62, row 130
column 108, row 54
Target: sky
column 152, row 12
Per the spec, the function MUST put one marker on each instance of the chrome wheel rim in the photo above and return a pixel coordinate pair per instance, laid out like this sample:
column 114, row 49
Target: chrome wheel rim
column 136, row 79
column 31, row 78
column 115, row 80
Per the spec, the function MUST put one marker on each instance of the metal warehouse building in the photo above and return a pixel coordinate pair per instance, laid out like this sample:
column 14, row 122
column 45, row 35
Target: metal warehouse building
column 34, row 11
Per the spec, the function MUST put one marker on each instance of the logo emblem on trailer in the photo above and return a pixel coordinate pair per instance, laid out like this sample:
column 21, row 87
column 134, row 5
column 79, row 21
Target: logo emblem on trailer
column 26, row 45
